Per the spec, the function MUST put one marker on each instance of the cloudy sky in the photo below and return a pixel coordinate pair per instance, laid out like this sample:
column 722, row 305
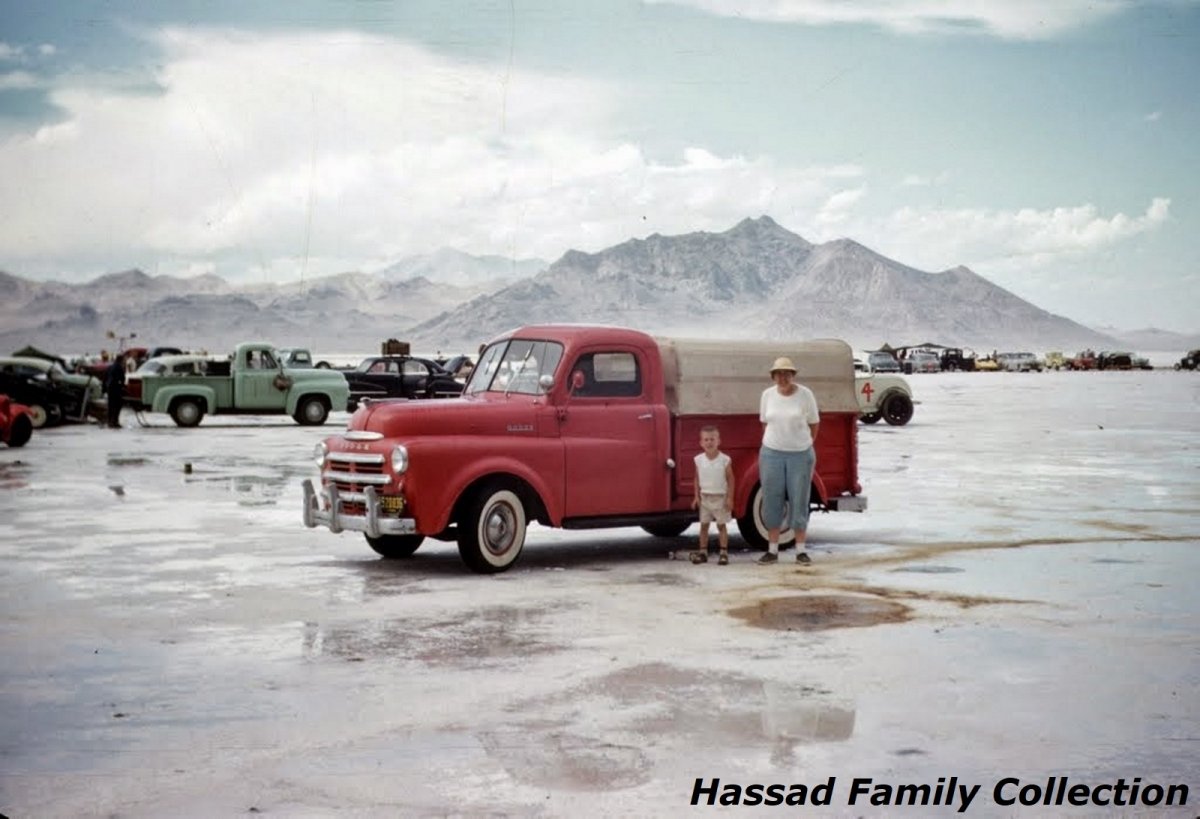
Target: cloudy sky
column 1050, row 147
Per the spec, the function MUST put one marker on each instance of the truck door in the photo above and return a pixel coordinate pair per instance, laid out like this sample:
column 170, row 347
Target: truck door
column 254, row 382
column 610, row 436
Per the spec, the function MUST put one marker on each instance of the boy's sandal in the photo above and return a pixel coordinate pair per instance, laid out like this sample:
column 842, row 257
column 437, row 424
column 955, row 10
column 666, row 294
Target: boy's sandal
column 698, row 557
column 723, row 560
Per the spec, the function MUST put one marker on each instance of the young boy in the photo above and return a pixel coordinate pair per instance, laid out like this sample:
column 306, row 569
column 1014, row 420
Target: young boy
column 714, row 494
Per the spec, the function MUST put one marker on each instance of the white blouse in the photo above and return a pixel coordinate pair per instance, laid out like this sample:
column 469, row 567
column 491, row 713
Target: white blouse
column 787, row 418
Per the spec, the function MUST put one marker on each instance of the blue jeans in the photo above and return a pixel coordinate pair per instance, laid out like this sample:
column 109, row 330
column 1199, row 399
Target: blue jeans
column 786, row 475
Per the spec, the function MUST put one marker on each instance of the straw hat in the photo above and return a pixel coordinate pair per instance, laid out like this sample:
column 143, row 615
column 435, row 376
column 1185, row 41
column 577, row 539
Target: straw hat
column 783, row 363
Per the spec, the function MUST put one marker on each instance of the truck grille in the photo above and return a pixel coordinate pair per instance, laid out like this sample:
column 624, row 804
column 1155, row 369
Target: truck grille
column 352, row 472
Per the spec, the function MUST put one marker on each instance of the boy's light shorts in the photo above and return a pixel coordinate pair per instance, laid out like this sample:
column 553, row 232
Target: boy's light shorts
column 713, row 509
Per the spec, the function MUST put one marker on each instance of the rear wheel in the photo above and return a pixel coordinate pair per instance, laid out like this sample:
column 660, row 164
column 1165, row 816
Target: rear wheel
column 38, row 415
column 897, row 409
column 491, row 532
column 751, row 524
column 666, row 529
column 396, row 547
column 187, row 412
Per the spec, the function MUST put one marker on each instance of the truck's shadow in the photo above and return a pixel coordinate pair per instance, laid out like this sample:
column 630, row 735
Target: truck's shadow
column 593, row 554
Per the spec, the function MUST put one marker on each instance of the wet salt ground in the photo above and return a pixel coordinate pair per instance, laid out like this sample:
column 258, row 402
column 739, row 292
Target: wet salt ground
column 1018, row 601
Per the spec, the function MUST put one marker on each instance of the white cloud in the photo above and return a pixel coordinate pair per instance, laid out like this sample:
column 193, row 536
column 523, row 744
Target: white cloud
column 283, row 153
column 1025, row 238
column 20, row 54
column 1153, row 116
column 1008, row 19
column 17, row 80
column 838, row 207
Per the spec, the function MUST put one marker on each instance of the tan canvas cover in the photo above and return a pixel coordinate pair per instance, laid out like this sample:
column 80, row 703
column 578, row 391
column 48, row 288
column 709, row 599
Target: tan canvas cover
column 728, row 377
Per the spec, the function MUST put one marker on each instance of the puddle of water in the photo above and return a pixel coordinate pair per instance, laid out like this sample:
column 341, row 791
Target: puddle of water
column 125, row 460
column 819, row 612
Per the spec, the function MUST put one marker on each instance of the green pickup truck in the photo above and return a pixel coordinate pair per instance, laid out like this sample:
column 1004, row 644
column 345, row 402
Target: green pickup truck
column 251, row 382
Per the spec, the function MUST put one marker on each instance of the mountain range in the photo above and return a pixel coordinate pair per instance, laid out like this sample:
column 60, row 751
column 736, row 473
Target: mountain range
column 755, row 280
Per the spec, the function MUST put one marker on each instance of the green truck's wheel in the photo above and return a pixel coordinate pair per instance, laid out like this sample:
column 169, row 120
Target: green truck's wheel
column 187, row 412
column 311, row 412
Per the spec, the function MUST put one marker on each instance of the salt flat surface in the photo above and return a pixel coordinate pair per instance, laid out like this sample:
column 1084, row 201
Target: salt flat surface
column 1018, row 601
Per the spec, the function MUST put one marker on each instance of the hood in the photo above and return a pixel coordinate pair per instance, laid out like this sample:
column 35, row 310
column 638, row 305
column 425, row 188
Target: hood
column 492, row 414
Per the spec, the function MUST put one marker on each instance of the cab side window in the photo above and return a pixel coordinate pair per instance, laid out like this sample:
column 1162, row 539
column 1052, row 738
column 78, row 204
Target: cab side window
column 608, row 375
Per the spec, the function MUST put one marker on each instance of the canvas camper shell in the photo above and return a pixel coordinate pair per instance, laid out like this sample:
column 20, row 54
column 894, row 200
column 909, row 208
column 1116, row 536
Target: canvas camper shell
column 728, row 377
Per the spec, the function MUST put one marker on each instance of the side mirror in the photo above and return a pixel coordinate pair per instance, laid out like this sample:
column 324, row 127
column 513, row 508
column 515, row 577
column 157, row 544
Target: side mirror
column 546, row 382
column 577, row 380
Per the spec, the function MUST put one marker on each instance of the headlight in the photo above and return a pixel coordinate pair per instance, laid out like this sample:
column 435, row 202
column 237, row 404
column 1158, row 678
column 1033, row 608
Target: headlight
column 399, row 460
column 319, row 453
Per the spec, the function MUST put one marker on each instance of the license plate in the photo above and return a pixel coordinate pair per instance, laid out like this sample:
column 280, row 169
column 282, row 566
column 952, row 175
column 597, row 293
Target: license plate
column 391, row 504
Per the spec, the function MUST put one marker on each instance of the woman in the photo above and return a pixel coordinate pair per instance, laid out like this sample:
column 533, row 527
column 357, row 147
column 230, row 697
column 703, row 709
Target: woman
column 790, row 420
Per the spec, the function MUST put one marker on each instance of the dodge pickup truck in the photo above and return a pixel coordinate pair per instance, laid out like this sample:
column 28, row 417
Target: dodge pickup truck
column 575, row 427
column 251, row 382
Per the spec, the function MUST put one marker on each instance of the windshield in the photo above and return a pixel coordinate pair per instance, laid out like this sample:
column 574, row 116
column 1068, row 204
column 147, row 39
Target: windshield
column 515, row 366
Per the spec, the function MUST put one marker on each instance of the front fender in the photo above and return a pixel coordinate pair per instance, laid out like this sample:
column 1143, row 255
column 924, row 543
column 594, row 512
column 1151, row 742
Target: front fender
column 166, row 395
column 434, row 501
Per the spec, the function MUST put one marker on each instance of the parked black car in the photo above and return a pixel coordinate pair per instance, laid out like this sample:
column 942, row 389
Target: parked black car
column 1190, row 361
column 400, row 376
column 50, row 402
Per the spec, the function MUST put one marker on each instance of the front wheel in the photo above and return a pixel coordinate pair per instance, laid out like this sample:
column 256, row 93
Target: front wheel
column 751, row 524
column 395, row 547
column 491, row 532
column 870, row 418
column 666, row 529
column 311, row 412
column 897, row 409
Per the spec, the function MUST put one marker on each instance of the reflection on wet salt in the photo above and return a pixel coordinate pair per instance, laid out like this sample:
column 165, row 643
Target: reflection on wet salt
column 572, row 762
column 12, row 475
column 487, row 636
column 929, row 569
column 793, row 713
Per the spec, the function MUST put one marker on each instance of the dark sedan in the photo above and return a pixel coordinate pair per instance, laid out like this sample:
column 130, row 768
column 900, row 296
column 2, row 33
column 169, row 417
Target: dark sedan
column 400, row 376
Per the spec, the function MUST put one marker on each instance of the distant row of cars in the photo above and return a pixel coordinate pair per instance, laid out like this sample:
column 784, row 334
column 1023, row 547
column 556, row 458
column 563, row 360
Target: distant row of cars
column 909, row 360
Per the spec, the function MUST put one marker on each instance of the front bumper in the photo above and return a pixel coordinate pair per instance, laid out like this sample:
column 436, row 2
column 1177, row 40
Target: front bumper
column 323, row 507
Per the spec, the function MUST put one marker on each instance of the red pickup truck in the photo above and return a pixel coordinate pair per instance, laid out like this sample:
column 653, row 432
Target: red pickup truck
column 575, row 427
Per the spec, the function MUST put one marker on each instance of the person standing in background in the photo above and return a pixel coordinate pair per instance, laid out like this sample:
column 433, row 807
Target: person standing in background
column 114, row 387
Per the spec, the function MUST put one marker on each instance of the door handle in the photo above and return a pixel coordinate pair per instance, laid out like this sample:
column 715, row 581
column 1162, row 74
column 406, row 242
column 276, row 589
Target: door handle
column 648, row 416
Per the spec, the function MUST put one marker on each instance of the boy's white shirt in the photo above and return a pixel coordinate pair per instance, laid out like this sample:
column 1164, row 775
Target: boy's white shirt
column 710, row 473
